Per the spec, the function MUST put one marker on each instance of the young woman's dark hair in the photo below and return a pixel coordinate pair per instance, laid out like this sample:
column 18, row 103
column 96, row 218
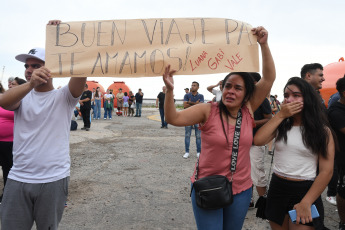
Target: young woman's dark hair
column 125, row 94
column 314, row 120
column 2, row 90
column 96, row 93
column 249, row 85
column 20, row 81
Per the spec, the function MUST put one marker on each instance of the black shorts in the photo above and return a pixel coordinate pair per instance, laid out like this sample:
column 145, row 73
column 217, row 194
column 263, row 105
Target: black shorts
column 341, row 182
column 283, row 195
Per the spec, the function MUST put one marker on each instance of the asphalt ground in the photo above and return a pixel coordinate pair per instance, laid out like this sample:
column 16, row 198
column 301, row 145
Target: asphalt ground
column 128, row 173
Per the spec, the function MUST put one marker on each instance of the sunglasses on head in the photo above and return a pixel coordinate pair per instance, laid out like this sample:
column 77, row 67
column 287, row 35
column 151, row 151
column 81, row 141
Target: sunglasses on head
column 34, row 66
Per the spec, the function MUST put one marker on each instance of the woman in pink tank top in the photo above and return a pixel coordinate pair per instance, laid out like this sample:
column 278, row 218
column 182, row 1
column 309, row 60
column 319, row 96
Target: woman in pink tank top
column 217, row 121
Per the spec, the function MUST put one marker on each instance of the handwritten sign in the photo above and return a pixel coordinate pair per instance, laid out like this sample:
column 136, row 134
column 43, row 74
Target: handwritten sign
column 143, row 47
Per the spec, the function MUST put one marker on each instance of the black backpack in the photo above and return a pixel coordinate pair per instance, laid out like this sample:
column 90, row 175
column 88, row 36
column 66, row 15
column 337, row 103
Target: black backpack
column 74, row 125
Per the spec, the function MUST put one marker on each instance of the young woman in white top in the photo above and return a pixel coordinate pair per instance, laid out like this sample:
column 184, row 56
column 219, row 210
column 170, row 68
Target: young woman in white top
column 303, row 161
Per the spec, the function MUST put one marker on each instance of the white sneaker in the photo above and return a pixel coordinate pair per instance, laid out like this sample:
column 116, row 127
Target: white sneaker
column 186, row 155
column 197, row 155
column 331, row 200
column 105, row 118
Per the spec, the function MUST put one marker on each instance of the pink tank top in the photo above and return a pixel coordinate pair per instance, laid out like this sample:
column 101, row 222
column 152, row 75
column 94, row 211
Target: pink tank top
column 215, row 154
column 6, row 125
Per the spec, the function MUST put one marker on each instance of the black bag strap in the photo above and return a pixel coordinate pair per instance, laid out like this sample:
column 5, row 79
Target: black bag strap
column 235, row 146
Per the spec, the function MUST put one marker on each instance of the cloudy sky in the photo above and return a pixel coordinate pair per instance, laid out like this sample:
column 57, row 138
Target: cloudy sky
column 300, row 32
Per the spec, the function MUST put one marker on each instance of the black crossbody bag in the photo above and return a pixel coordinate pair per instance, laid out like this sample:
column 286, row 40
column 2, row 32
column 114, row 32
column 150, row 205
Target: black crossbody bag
column 214, row 192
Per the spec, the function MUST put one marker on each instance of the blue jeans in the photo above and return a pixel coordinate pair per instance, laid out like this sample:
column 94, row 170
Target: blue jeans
column 97, row 109
column 107, row 112
column 230, row 217
column 164, row 123
column 138, row 109
column 188, row 133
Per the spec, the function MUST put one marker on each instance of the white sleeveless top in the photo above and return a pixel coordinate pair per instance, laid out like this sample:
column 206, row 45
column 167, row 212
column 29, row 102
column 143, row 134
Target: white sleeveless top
column 293, row 159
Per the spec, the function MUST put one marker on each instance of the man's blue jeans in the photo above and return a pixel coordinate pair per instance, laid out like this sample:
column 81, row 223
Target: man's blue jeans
column 138, row 109
column 230, row 217
column 188, row 133
column 164, row 123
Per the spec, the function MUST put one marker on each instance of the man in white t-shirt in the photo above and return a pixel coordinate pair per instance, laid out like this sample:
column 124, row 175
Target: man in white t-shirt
column 37, row 186
column 217, row 93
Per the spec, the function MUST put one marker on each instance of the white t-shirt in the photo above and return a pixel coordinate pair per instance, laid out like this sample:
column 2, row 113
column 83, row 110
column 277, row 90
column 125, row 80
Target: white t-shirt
column 218, row 94
column 293, row 159
column 41, row 136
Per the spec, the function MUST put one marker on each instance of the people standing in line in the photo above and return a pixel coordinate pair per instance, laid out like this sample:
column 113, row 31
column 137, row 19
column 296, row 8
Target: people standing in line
column 257, row 153
column 217, row 126
column 138, row 101
column 131, row 103
column 336, row 115
column 119, row 98
column 125, row 104
column 160, row 99
column 85, row 108
column 37, row 185
column 190, row 99
column 303, row 159
column 108, row 104
column 98, row 104
column 215, row 92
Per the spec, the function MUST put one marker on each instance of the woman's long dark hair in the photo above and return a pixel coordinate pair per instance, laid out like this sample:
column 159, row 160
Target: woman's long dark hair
column 96, row 93
column 249, row 85
column 314, row 119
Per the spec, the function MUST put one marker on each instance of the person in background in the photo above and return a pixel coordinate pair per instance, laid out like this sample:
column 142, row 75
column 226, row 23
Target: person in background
column 85, row 108
column 257, row 153
column 10, row 79
column 333, row 98
column 139, row 101
column 98, row 103
column 125, row 104
column 303, row 159
column 131, row 103
column 93, row 102
column 17, row 81
column 119, row 97
column 217, row 93
column 161, row 99
column 186, row 90
column 191, row 99
column 336, row 116
column 108, row 104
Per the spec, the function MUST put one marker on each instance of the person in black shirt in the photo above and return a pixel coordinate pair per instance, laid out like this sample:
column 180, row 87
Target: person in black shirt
column 85, row 107
column 139, row 101
column 336, row 115
column 160, row 99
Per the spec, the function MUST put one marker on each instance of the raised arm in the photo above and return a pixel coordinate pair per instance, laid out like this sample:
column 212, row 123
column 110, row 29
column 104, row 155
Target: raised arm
column 209, row 88
column 263, row 87
column 193, row 115
column 11, row 99
column 76, row 86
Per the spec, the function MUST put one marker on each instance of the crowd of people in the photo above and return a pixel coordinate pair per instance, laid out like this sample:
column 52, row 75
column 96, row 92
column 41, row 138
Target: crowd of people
column 233, row 134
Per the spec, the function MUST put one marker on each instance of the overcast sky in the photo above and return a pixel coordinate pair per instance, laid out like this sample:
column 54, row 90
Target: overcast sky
column 300, row 32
